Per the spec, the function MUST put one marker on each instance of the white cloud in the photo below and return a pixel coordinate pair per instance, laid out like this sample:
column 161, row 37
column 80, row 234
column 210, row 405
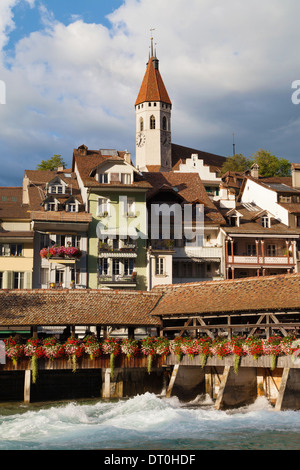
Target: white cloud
column 77, row 83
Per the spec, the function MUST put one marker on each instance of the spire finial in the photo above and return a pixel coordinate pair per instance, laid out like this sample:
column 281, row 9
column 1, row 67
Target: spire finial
column 152, row 29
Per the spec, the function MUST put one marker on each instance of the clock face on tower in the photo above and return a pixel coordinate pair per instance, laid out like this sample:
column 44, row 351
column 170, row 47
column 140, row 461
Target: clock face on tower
column 140, row 139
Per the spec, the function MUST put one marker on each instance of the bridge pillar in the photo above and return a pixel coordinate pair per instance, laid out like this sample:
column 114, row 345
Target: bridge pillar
column 27, row 384
column 237, row 389
column 289, row 391
column 186, row 382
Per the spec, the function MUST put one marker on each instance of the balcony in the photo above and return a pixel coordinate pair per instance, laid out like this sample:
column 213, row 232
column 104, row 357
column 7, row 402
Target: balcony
column 206, row 252
column 107, row 250
column 261, row 260
column 117, row 279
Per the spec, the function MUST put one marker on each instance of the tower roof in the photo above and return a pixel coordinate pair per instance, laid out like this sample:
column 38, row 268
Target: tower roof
column 153, row 88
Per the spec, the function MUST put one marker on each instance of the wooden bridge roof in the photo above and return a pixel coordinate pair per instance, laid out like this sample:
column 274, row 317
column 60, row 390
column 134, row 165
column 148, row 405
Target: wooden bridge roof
column 77, row 307
column 255, row 294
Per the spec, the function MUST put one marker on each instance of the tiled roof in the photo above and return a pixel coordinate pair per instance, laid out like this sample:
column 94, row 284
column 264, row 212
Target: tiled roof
column 85, row 165
column 250, row 223
column 257, row 294
column 37, row 187
column 77, row 307
column 152, row 88
column 187, row 185
column 11, row 206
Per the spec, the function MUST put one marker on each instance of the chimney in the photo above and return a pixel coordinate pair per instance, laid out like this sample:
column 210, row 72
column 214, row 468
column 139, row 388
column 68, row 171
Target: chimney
column 254, row 171
column 127, row 157
column 295, row 168
column 25, row 196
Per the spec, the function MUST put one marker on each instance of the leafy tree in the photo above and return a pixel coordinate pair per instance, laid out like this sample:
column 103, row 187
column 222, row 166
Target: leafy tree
column 51, row 164
column 237, row 162
column 269, row 165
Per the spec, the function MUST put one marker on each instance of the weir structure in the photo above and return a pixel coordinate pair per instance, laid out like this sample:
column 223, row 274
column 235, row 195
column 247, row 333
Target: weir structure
column 249, row 307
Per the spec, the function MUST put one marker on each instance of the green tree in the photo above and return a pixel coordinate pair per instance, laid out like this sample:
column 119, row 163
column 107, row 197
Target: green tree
column 270, row 165
column 237, row 162
column 51, row 164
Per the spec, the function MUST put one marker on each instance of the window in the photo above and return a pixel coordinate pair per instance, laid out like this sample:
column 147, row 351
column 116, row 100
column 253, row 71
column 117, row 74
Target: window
column 103, row 206
column 60, row 240
column 59, row 276
column 45, row 241
column 152, row 122
column 103, row 178
column 265, row 221
column 128, row 266
column 234, row 222
column 19, row 280
column 164, row 123
column 103, row 267
column 271, row 250
column 57, row 189
column 75, row 275
column 126, row 178
column 71, row 206
column 160, row 266
column 51, row 206
column 76, row 240
column 130, row 211
column 11, row 250
column 1, row 280
column 44, row 276
column 251, row 250
column 116, row 267
column 141, row 124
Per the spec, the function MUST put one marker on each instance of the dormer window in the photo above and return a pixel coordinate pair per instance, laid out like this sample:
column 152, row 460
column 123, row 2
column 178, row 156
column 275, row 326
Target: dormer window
column 57, row 189
column 265, row 221
column 103, row 178
column 126, row 178
column 50, row 206
column 234, row 221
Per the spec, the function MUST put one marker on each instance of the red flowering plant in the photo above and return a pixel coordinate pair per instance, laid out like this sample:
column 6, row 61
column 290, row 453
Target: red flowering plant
column 148, row 348
column 111, row 346
column 272, row 347
column 74, row 348
column 221, row 347
column 175, row 346
column 254, row 347
column 238, row 350
column 289, row 345
column 35, row 350
column 130, row 347
column 202, row 348
column 72, row 252
column 162, row 346
column 189, row 347
column 53, row 349
column 13, row 349
column 92, row 346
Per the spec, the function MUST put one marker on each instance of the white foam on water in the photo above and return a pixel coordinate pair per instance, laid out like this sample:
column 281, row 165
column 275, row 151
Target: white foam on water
column 141, row 422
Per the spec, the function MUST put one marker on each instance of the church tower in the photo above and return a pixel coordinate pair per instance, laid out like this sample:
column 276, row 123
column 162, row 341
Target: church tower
column 153, row 120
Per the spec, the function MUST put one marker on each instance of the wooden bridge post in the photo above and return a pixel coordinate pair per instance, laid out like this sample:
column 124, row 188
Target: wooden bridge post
column 27, row 384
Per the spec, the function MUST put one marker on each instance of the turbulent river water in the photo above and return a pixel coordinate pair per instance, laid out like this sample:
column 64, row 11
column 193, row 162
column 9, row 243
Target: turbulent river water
column 147, row 422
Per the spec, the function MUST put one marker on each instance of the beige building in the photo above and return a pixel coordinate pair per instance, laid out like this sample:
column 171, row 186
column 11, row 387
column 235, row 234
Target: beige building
column 16, row 240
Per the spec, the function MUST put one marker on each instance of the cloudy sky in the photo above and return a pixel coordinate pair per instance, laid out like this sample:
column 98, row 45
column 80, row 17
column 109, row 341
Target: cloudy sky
column 72, row 71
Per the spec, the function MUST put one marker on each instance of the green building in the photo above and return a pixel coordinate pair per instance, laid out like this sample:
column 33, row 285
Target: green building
column 114, row 193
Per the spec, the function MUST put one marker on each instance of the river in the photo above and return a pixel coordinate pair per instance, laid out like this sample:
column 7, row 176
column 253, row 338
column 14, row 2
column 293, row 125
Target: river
column 147, row 422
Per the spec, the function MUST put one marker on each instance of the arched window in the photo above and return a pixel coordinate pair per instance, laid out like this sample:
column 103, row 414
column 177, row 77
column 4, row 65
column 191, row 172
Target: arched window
column 152, row 122
column 164, row 123
column 141, row 124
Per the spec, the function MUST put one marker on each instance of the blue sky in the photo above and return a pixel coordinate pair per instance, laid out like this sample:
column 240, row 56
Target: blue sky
column 73, row 69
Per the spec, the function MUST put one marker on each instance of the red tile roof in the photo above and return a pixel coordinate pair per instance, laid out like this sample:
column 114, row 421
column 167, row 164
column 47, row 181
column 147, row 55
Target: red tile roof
column 152, row 88
column 11, row 206
column 257, row 294
column 77, row 307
